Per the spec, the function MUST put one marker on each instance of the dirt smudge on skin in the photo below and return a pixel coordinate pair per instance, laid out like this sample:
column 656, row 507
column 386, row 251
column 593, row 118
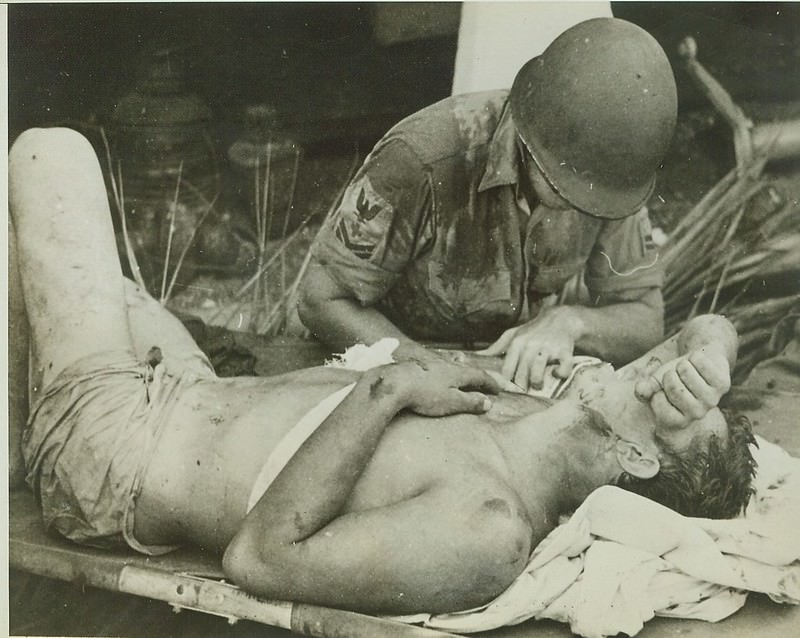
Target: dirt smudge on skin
column 499, row 506
column 379, row 388
column 420, row 363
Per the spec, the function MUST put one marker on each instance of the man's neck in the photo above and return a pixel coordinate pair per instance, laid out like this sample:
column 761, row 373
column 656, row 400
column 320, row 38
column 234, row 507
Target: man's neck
column 556, row 457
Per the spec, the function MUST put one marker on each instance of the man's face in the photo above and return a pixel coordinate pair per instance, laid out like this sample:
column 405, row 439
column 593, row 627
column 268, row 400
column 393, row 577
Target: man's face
column 534, row 180
column 600, row 388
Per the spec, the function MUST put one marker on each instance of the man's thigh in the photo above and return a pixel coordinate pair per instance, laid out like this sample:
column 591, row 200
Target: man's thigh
column 66, row 252
column 152, row 325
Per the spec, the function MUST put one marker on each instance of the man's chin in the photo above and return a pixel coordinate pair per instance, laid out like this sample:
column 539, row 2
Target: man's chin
column 591, row 385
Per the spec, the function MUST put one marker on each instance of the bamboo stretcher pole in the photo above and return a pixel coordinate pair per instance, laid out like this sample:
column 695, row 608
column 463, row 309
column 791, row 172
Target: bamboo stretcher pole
column 186, row 591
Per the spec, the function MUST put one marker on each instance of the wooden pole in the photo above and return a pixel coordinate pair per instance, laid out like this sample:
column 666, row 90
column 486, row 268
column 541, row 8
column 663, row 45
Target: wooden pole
column 186, row 591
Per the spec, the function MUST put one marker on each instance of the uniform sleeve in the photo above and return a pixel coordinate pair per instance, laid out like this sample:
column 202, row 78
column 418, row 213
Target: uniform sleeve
column 382, row 223
column 624, row 262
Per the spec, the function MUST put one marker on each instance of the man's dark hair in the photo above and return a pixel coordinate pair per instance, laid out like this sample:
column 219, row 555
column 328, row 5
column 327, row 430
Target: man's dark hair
column 708, row 481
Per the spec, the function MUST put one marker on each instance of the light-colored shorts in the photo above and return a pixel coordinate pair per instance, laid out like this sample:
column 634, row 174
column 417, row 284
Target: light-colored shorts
column 89, row 439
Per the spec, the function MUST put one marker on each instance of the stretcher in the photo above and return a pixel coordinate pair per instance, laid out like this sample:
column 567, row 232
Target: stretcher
column 191, row 581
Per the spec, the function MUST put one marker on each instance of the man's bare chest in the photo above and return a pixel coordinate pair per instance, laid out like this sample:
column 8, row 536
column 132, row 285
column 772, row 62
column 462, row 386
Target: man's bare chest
column 416, row 455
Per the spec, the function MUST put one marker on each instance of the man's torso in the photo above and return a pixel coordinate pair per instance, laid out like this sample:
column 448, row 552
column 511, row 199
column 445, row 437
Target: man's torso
column 197, row 485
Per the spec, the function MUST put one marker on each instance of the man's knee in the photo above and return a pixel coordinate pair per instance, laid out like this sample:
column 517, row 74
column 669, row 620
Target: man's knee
column 46, row 143
column 53, row 173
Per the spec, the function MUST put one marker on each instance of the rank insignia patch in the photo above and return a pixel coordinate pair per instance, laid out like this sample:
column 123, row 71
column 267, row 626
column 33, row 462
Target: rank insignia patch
column 364, row 219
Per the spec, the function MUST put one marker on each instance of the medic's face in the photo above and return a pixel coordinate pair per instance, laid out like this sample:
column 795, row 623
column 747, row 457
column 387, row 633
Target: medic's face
column 544, row 192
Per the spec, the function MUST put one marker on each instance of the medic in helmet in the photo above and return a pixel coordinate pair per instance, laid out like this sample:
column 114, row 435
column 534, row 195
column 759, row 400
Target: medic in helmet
column 473, row 219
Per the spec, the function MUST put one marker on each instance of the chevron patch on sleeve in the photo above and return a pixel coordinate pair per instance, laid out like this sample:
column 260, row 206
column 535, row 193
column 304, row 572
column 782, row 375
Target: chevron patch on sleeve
column 364, row 219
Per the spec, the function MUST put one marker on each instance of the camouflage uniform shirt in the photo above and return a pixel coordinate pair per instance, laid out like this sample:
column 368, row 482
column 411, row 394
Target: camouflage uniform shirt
column 434, row 231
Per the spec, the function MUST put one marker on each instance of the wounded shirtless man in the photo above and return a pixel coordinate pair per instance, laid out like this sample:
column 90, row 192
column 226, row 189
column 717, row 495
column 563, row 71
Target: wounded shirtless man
column 424, row 489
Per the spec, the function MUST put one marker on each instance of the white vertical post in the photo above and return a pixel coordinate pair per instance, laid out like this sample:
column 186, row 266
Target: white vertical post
column 496, row 38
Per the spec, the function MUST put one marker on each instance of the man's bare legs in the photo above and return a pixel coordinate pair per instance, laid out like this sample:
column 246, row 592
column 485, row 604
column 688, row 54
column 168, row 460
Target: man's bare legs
column 70, row 272
column 77, row 299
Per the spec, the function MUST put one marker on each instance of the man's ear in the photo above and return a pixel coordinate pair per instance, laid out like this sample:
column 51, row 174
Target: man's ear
column 637, row 461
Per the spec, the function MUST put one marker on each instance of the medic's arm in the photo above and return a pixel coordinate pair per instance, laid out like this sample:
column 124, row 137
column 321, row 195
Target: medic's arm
column 624, row 278
column 381, row 226
column 330, row 310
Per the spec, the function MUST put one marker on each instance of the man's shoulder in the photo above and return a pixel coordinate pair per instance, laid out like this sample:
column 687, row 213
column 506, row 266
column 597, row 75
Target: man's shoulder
column 451, row 126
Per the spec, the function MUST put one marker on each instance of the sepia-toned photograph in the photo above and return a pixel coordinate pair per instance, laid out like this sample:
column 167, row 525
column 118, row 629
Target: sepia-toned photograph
column 403, row 319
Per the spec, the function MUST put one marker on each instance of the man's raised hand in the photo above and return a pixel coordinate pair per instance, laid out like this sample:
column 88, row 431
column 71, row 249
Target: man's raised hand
column 685, row 389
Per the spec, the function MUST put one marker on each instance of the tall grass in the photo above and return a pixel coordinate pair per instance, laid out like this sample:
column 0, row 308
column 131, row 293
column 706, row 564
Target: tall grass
column 267, row 316
column 118, row 194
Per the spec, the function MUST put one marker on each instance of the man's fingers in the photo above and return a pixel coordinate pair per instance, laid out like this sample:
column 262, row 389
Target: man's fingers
column 565, row 365
column 511, row 361
column 473, row 402
column 646, row 388
column 476, row 379
column 531, row 371
column 521, row 375
column 653, row 364
column 680, row 397
column 505, row 384
column 667, row 415
column 715, row 371
column 501, row 345
column 705, row 395
column 460, row 375
column 687, row 389
column 456, row 401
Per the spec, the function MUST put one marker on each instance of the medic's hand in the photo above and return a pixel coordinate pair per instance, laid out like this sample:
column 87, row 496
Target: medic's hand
column 439, row 388
column 685, row 389
column 530, row 347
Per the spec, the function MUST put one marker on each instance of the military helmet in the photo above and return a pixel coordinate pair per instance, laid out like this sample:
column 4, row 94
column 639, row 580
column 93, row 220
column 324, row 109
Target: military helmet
column 597, row 111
